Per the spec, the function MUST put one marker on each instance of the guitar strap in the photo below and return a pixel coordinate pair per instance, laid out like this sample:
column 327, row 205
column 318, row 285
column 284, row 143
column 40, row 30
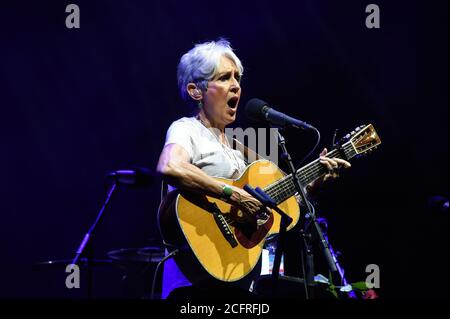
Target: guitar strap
column 249, row 154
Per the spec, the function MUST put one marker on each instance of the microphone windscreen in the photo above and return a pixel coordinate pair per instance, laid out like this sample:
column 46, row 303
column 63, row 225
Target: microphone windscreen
column 136, row 177
column 254, row 109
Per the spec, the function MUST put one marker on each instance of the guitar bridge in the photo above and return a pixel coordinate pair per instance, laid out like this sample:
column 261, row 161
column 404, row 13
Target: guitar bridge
column 223, row 225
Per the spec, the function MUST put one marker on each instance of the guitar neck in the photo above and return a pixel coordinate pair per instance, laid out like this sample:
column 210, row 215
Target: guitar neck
column 284, row 188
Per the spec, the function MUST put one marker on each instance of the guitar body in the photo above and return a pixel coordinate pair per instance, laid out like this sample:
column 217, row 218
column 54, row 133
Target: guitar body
column 186, row 218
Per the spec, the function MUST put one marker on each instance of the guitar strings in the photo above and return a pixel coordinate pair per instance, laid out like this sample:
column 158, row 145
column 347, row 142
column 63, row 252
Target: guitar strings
column 283, row 188
column 280, row 187
column 310, row 173
column 305, row 170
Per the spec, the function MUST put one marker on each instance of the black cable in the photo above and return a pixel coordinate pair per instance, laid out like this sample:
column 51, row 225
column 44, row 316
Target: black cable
column 173, row 253
column 313, row 149
column 305, row 285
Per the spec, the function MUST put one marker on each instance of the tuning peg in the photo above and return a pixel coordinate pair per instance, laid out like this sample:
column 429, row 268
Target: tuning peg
column 358, row 128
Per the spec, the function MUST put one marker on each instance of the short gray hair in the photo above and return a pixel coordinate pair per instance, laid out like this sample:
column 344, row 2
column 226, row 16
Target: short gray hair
column 199, row 65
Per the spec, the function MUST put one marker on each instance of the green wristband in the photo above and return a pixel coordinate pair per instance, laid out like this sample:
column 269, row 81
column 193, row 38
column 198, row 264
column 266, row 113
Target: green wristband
column 227, row 191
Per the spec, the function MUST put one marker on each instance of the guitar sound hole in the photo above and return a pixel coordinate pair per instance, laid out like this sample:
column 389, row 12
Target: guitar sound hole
column 262, row 218
column 235, row 218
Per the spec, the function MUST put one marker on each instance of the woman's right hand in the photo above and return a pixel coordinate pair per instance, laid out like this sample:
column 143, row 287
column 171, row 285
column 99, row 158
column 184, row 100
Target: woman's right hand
column 246, row 203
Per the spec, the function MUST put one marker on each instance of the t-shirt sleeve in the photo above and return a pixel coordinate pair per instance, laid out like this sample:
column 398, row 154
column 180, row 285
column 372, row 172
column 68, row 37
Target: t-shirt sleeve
column 180, row 133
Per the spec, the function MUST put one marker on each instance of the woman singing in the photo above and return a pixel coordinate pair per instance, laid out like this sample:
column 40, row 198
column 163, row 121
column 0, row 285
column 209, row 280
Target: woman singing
column 196, row 148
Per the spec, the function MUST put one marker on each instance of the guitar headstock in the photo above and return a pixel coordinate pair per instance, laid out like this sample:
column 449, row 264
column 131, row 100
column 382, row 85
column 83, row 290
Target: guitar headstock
column 364, row 139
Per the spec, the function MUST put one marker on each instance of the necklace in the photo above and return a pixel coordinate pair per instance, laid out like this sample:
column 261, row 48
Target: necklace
column 225, row 147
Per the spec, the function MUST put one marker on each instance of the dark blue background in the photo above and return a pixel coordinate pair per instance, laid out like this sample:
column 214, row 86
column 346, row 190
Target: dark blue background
column 78, row 103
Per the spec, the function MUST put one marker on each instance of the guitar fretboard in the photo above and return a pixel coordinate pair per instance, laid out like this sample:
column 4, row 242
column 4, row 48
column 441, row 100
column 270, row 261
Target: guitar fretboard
column 284, row 188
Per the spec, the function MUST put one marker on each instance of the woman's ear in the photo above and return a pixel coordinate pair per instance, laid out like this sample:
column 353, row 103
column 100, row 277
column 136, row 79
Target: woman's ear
column 194, row 92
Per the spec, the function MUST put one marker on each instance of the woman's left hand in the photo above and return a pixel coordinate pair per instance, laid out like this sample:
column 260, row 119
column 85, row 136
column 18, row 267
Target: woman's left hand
column 334, row 165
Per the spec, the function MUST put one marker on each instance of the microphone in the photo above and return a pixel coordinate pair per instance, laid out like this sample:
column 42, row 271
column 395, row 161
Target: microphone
column 138, row 176
column 259, row 110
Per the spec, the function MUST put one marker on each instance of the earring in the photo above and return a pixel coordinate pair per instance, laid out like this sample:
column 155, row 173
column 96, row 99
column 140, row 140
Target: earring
column 200, row 104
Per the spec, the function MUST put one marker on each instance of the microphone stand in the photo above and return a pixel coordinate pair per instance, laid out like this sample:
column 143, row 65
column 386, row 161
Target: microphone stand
column 306, row 233
column 85, row 248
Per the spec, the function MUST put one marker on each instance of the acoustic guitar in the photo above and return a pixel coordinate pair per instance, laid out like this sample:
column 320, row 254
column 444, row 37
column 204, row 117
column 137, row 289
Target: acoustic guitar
column 227, row 247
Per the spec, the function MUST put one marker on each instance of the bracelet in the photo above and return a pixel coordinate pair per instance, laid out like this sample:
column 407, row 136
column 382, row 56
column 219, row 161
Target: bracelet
column 227, row 191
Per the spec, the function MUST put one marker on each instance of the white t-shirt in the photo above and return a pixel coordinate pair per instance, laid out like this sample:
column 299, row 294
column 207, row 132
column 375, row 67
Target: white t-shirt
column 205, row 149
column 211, row 156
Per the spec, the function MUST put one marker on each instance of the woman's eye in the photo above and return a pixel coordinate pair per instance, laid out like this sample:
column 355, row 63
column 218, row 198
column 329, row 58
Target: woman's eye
column 226, row 77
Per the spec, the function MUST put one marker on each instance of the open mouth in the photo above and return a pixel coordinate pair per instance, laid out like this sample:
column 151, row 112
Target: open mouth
column 233, row 102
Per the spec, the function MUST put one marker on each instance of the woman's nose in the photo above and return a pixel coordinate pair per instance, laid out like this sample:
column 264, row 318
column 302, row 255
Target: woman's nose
column 235, row 86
